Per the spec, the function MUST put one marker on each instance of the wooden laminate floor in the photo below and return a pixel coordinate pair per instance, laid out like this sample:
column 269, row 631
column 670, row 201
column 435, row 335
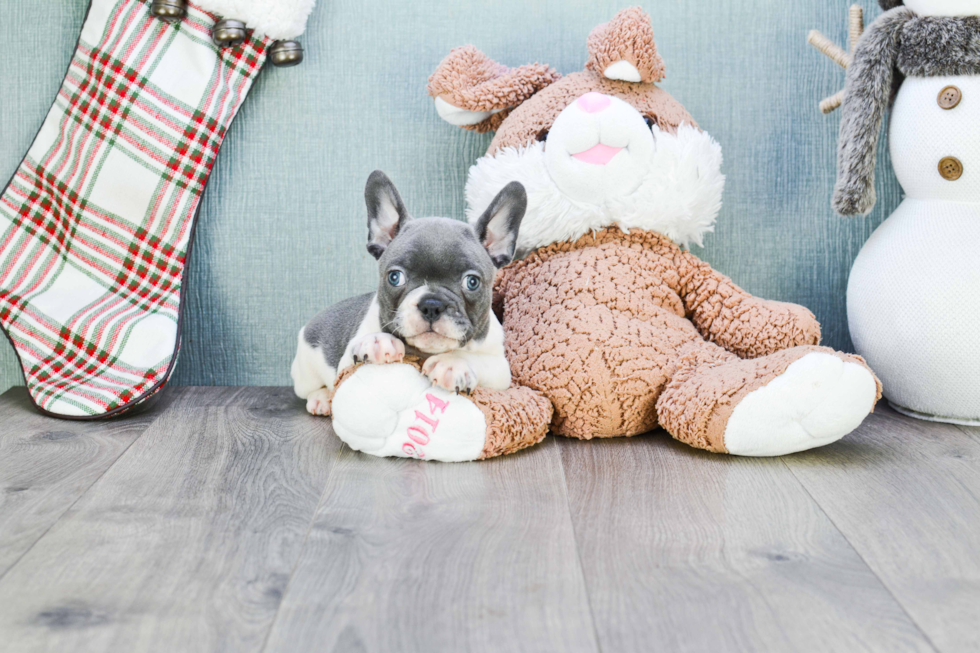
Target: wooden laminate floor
column 229, row 520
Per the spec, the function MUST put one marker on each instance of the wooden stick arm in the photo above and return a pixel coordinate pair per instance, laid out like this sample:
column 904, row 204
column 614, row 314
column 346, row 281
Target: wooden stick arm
column 828, row 105
column 829, row 48
column 855, row 25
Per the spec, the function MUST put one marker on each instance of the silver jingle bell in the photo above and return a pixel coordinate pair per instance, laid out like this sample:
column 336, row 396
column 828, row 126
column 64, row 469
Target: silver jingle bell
column 168, row 10
column 284, row 54
column 228, row 33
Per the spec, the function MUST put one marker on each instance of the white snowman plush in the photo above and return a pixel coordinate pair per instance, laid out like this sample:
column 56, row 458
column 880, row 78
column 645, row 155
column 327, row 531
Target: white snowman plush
column 913, row 299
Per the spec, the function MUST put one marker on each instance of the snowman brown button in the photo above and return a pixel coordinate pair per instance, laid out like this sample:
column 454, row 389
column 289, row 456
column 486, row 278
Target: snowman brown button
column 950, row 168
column 949, row 97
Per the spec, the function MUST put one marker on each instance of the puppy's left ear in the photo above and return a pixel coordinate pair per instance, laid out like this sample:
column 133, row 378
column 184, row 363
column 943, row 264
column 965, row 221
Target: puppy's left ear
column 498, row 226
column 386, row 212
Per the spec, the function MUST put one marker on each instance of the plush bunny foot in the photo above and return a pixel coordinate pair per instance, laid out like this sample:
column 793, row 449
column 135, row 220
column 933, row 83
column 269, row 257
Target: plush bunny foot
column 796, row 399
column 393, row 410
column 819, row 399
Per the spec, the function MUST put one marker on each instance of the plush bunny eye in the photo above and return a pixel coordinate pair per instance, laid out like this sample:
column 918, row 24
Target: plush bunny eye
column 542, row 135
column 397, row 278
column 471, row 282
column 650, row 121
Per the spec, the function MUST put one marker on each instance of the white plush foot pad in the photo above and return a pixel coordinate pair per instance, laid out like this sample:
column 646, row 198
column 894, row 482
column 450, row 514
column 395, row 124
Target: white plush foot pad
column 818, row 400
column 392, row 410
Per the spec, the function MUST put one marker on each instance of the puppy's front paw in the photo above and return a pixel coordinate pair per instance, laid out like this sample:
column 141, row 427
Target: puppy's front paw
column 378, row 348
column 450, row 372
column 318, row 403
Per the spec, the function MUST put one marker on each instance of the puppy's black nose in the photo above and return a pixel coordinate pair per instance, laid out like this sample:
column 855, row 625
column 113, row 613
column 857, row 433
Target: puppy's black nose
column 431, row 308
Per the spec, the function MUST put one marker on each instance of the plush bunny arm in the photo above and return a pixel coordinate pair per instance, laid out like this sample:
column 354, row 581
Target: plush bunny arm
column 747, row 326
column 866, row 95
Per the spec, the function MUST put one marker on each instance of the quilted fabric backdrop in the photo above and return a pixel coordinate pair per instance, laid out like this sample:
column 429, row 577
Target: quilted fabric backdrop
column 282, row 231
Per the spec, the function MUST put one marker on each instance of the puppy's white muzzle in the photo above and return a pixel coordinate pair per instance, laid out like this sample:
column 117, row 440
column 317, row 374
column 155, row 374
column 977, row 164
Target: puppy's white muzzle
column 438, row 337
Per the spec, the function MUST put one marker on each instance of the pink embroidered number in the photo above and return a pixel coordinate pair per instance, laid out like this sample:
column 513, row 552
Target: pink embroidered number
column 417, row 433
column 428, row 420
column 419, row 436
column 436, row 403
column 412, row 451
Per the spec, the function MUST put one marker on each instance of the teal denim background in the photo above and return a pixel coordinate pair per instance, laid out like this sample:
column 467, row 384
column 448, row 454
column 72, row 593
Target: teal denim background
column 282, row 226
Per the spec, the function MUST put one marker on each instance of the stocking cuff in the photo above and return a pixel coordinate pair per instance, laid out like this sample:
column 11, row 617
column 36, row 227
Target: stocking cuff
column 277, row 19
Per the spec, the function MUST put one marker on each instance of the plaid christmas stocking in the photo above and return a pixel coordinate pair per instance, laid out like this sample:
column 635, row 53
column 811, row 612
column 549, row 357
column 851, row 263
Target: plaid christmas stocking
column 96, row 224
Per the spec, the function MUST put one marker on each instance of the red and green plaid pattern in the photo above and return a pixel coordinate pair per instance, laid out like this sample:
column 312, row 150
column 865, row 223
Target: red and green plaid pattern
column 96, row 223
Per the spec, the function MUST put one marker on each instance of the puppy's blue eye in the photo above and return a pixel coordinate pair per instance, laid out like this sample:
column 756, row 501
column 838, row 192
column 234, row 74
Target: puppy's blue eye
column 396, row 278
column 471, row 282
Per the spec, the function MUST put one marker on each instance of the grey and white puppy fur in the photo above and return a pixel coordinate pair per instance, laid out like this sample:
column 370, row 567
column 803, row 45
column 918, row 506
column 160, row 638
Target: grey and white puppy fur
column 434, row 296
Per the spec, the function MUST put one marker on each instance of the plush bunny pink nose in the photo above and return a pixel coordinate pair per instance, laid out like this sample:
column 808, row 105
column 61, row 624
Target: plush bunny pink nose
column 593, row 102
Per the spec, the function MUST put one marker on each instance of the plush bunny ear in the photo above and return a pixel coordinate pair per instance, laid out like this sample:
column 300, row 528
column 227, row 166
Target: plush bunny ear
column 624, row 49
column 475, row 92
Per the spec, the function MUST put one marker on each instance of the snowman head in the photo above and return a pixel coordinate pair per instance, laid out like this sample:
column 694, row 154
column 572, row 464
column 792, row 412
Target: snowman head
column 937, row 7
column 596, row 148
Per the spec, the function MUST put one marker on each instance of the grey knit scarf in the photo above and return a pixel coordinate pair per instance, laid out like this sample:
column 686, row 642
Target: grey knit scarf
column 914, row 46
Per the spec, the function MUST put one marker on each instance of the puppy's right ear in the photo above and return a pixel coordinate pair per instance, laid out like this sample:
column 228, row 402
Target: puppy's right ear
column 386, row 212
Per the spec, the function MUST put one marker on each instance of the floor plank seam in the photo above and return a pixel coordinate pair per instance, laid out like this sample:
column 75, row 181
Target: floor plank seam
column 80, row 496
column 971, row 432
column 867, row 564
column 578, row 554
column 299, row 553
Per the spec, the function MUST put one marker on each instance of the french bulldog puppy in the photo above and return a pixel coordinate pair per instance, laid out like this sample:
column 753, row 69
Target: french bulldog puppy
column 434, row 296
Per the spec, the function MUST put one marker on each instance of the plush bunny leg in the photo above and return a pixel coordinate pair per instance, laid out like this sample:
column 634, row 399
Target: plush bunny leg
column 516, row 418
column 393, row 410
column 796, row 399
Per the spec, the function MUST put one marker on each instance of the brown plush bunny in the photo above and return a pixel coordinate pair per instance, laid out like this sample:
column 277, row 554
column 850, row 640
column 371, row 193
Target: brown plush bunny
column 612, row 327
column 607, row 314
